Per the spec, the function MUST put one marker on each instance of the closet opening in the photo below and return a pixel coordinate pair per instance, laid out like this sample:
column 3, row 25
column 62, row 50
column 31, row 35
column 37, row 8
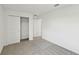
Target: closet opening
column 24, row 28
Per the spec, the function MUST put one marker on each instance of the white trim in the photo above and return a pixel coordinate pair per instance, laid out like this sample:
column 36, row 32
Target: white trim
column 60, row 45
column 12, row 42
column 1, row 48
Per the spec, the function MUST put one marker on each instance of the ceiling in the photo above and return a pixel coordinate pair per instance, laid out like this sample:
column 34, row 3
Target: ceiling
column 31, row 8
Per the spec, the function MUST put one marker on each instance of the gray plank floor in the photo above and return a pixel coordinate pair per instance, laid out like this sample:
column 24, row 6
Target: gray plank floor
column 37, row 46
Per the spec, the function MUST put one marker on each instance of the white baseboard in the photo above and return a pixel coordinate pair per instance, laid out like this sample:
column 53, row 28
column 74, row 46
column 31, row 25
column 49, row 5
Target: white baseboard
column 37, row 37
column 60, row 45
column 1, row 47
column 12, row 42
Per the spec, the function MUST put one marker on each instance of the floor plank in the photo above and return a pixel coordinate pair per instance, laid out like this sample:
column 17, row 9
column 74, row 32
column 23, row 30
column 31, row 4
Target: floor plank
column 37, row 46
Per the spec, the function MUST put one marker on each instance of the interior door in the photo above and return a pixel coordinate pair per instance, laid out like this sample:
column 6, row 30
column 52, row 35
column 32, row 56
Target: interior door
column 37, row 28
column 13, row 29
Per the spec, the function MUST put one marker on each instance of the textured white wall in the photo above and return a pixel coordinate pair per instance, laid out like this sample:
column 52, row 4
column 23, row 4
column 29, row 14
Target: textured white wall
column 24, row 28
column 61, row 27
column 2, row 33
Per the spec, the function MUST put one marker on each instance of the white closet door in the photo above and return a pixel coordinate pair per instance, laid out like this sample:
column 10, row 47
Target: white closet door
column 37, row 27
column 13, row 29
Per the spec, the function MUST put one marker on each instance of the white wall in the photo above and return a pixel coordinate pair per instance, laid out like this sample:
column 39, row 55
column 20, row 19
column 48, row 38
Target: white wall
column 2, row 33
column 61, row 27
column 13, row 27
column 24, row 27
column 22, row 14
column 37, row 27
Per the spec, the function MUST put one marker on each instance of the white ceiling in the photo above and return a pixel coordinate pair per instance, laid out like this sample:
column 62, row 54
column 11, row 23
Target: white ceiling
column 31, row 8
